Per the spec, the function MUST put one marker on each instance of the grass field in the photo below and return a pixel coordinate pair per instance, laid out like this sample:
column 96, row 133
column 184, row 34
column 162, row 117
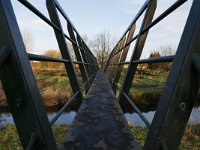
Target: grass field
column 146, row 90
column 190, row 141
column 9, row 139
column 55, row 89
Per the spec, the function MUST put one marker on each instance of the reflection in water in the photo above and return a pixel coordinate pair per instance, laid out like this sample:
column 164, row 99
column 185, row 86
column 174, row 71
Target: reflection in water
column 137, row 121
column 67, row 118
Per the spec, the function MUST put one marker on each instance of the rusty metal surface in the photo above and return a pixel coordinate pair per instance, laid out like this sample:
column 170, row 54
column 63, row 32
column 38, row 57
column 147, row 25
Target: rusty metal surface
column 100, row 123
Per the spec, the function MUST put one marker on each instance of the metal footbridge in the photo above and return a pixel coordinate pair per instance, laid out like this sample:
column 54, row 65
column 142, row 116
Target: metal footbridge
column 100, row 122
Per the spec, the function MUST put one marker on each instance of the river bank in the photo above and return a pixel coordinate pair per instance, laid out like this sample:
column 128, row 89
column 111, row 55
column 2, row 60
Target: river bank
column 10, row 140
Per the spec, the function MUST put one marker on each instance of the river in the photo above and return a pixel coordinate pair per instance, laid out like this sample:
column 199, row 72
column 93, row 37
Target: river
column 67, row 118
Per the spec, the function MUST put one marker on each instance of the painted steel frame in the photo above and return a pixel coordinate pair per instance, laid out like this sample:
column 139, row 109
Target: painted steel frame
column 17, row 77
column 181, row 89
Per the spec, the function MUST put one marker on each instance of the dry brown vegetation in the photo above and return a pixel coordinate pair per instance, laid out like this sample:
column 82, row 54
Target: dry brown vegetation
column 3, row 101
column 52, row 81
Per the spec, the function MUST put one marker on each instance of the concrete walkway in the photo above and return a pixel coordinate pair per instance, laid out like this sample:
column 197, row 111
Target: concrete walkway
column 100, row 123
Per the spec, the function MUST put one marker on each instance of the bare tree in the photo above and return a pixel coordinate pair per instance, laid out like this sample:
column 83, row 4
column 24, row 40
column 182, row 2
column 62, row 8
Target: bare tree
column 28, row 40
column 85, row 39
column 102, row 44
column 167, row 50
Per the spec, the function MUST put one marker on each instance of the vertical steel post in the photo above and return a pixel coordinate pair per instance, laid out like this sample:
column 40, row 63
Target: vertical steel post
column 108, row 62
column 181, row 89
column 84, row 58
column 113, row 60
column 137, row 52
column 88, row 61
column 88, row 54
column 78, row 55
column 117, row 58
column 110, row 67
column 123, row 57
column 20, row 86
column 65, row 53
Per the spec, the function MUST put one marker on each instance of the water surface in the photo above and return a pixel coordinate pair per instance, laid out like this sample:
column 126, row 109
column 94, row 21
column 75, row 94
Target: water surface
column 67, row 118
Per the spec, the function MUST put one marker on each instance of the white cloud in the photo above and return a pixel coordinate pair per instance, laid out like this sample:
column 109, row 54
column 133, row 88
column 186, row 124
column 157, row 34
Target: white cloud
column 168, row 31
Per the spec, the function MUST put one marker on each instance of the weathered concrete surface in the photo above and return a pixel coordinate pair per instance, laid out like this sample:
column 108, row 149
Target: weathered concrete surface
column 100, row 123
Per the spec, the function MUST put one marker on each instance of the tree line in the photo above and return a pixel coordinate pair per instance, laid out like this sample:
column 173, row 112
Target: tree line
column 101, row 45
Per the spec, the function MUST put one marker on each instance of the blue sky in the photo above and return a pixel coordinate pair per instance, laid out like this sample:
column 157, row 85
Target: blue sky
column 91, row 17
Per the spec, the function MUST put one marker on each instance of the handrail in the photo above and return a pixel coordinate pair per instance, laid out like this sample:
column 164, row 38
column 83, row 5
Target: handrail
column 20, row 60
column 45, row 19
column 35, row 57
column 177, row 87
column 180, row 91
column 157, row 20
column 149, row 60
column 141, row 11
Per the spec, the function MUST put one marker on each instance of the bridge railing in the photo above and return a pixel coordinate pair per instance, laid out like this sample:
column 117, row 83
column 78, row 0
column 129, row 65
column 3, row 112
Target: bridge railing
column 17, row 77
column 168, row 125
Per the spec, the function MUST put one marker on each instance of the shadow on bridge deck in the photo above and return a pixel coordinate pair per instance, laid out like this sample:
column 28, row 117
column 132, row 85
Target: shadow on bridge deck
column 100, row 123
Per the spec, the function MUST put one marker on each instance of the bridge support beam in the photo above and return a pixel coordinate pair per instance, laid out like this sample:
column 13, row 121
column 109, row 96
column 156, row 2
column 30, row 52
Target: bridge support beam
column 20, row 87
column 181, row 89
column 148, row 17
column 53, row 13
column 100, row 123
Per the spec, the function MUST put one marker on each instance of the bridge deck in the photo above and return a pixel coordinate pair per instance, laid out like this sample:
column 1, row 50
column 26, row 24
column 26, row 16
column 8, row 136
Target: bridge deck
column 100, row 123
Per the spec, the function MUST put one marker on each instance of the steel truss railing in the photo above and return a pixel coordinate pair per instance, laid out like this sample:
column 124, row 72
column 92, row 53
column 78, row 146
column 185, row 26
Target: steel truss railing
column 181, row 88
column 18, row 80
